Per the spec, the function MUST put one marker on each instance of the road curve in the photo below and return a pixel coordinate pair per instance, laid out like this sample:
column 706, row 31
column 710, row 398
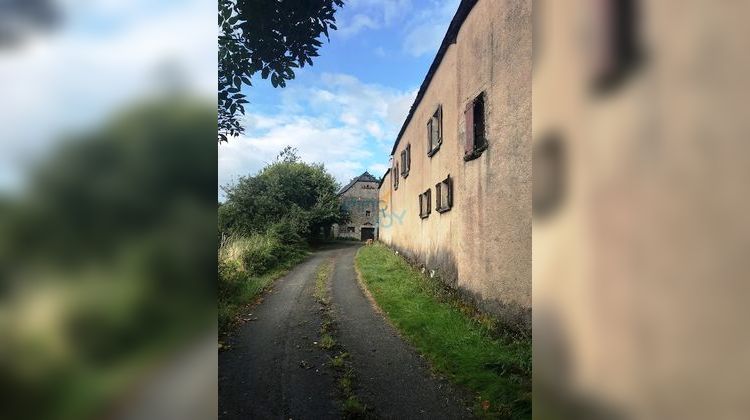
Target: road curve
column 274, row 369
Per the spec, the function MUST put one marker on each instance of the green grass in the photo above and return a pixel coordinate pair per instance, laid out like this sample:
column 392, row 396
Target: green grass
column 327, row 342
column 322, row 277
column 468, row 349
column 241, row 280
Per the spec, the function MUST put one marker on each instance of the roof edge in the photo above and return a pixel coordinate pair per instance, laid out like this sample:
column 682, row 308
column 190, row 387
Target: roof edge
column 450, row 38
column 380, row 184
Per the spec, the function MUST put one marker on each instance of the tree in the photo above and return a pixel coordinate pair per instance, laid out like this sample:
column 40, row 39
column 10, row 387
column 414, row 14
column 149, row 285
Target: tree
column 286, row 196
column 270, row 37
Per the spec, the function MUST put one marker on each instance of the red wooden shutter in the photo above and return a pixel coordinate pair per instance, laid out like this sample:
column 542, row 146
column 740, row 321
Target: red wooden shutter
column 469, row 117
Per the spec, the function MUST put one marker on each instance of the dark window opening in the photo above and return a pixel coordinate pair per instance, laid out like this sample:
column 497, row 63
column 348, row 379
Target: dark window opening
column 395, row 177
column 350, row 229
column 425, row 204
column 617, row 52
column 476, row 136
column 435, row 132
column 548, row 175
column 406, row 161
column 367, row 213
column 444, row 195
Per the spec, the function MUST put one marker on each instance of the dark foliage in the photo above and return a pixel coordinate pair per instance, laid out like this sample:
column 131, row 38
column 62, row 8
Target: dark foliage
column 270, row 37
column 290, row 199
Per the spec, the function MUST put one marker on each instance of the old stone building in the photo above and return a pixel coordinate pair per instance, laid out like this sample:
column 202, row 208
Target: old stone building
column 457, row 197
column 360, row 199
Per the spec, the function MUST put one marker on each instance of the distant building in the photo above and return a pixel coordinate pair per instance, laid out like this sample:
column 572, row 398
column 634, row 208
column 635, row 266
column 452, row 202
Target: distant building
column 360, row 199
column 457, row 198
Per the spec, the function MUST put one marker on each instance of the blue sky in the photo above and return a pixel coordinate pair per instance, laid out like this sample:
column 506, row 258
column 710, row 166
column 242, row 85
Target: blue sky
column 345, row 110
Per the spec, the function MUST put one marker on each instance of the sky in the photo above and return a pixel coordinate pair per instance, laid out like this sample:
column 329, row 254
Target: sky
column 346, row 110
column 104, row 55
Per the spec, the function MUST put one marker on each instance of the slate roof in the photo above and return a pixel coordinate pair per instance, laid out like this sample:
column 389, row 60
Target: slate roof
column 365, row 177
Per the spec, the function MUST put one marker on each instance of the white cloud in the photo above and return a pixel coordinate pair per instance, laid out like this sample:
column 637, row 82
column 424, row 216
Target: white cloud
column 426, row 29
column 378, row 169
column 342, row 122
column 358, row 23
column 386, row 11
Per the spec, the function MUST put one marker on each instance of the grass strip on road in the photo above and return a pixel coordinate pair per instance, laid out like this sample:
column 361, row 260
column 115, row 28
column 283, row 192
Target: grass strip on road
column 495, row 366
column 340, row 362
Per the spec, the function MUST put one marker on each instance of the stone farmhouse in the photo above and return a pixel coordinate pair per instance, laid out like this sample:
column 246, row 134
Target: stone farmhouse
column 457, row 197
column 360, row 199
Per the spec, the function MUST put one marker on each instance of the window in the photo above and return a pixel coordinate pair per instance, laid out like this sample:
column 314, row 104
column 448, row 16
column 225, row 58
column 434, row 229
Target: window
column 367, row 213
column 425, row 204
column 548, row 175
column 435, row 131
column 444, row 195
column 350, row 229
column 395, row 176
column 476, row 136
column 406, row 161
column 614, row 35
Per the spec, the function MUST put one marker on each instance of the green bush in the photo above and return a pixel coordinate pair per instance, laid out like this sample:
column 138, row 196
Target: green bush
column 247, row 265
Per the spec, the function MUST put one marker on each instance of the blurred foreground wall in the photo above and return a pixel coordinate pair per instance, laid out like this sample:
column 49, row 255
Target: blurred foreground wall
column 640, row 233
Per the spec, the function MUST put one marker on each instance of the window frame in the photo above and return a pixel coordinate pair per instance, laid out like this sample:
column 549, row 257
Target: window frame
column 425, row 204
column 436, row 116
column 395, row 176
column 478, row 128
column 406, row 161
column 447, row 183
column 617, row 51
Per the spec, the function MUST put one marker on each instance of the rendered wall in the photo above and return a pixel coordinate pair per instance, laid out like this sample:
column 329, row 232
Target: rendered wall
column 483, row 244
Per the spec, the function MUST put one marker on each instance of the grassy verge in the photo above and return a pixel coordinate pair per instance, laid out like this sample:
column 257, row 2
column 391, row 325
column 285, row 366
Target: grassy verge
column 248, row 266
column 470, row 350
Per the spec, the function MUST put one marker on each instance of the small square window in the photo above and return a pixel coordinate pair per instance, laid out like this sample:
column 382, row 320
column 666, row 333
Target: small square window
column 476, row 136
column 444, row 195
column 350, row 229
column 435, row 131
column 425, row 204
column 367, row 213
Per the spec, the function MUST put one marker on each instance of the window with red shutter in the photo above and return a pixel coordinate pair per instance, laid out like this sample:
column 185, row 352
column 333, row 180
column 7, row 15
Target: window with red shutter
column 476, row 136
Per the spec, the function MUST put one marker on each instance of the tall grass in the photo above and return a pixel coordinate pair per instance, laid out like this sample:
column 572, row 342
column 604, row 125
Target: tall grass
column 247, row 266
column 496, row 368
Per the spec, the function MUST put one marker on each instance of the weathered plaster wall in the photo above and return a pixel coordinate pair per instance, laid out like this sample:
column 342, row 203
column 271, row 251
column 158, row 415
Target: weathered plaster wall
column 483, row 244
